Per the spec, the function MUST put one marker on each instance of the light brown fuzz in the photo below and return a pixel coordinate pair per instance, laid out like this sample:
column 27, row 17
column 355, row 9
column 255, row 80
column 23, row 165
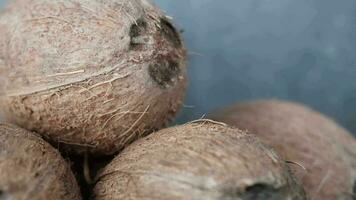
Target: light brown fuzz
column 90, row 75
column 200, row 160
column 32, row 169
column 322, row 153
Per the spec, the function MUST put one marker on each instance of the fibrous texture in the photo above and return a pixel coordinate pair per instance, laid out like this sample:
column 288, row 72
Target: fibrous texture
column 31, row 169
column 200, row 160
column 303, row 136
column 90, row 74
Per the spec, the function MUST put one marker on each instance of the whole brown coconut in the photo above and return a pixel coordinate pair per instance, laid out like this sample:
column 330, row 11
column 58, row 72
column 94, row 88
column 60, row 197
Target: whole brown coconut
column 90, row 74
column 306, row 137
column 197, row 161
column 31, row 169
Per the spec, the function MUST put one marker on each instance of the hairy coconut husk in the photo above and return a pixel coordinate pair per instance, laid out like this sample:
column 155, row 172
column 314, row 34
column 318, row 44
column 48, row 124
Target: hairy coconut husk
column 89, row 74
column 200, row 160
column 305, row 137
column 32, row 169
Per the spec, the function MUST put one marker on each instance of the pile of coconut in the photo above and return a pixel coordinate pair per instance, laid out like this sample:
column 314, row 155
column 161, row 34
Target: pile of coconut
column 87, row 89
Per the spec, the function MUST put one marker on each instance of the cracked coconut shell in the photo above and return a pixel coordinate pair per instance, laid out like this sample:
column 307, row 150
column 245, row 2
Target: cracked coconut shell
column 32, row 169
column 306, row 137
column 91, row 75
column 200, row 160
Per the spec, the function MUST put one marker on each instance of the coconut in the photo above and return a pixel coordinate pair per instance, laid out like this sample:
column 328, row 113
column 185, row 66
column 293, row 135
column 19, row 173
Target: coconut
column 199, row 160
column 32, row 169
column 91, row 75
column 305, row 137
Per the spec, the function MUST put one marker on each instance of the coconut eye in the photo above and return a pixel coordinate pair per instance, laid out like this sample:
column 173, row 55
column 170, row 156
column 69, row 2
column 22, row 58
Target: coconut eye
column 170, row 33
column 165, row 72
column 257, row 191
column 261, row 191
column 137, row 33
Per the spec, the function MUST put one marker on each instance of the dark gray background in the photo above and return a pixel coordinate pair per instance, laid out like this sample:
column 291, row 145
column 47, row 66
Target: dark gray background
column 300, row 50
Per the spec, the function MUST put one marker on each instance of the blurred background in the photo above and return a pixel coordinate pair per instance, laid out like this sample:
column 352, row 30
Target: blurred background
column 299, row 50
column 239, row 50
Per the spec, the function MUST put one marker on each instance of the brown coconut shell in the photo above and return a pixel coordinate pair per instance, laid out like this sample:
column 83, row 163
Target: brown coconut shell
column 91, row 75
column 303, row 136
column 199, row 160
column 32, row 169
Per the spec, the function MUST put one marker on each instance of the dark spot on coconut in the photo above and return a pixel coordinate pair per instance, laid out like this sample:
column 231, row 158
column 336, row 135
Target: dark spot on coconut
column 137, row 30
column 165, row 73
column 262, row 191
column 258, row 191
column 354, row 191
column 170, row 33
column 2, row 195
